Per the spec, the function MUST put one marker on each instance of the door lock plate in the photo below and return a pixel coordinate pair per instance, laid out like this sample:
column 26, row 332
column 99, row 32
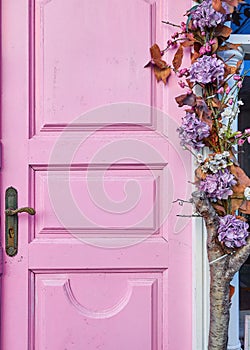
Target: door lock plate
column 11, row 222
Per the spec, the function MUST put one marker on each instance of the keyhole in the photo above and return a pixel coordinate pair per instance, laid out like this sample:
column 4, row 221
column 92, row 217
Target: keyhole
column 11, row 232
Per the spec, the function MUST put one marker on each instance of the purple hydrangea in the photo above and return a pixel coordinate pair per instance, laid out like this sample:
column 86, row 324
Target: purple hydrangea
column 218, row 185
column 207, row 69
column 204, row 16
column 232, row 231
column 193, row 131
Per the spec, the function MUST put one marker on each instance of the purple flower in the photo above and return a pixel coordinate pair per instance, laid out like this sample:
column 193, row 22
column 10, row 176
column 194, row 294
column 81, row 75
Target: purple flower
column 204, row 16
column 232, row 231
column 193, row 131
column 218, row 185
column 207, row 69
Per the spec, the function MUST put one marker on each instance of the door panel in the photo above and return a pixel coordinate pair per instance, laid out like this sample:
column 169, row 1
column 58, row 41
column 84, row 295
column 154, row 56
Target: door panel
column 130, row 299
column 105, row 263
column 107, row 60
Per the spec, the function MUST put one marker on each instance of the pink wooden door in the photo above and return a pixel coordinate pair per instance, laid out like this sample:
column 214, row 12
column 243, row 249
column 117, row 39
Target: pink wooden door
column 104, row 264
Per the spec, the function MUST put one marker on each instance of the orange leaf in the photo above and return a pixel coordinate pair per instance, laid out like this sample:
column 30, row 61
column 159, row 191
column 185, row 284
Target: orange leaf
column 194, row 56
column 156, row 56
column 177, row 60
column 223, row 31
column 230, row 70
column 219, row 209
column 231, row 291
column 243, row 181
column 162, row 74
column 233, row 3
column 215, row 46
column 217, row 6
column 187, row 43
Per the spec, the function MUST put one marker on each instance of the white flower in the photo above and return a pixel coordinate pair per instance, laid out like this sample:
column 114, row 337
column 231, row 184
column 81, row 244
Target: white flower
column 226, row 154
column 200, row 158
column 227, row 113
column 240, row 103
column 247, row 193
column 222, row 131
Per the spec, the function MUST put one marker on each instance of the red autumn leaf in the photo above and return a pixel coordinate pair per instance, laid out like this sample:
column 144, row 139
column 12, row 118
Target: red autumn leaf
column 177, row 60
column 162, row 74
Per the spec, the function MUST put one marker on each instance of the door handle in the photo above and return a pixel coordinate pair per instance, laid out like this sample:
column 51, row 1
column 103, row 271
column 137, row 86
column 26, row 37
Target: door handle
column 11, row 220
column 28, row 210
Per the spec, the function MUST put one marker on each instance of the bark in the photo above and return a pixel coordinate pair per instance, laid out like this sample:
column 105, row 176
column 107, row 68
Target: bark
column 221, row 273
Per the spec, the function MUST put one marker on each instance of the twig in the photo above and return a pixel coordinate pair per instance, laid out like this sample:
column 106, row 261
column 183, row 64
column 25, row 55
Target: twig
column 189, row 216
column 171, row 24
column 181, row 201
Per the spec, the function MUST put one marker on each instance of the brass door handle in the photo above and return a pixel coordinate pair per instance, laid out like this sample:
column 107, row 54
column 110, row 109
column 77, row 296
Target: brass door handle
column 11, row 220
column 28, row 210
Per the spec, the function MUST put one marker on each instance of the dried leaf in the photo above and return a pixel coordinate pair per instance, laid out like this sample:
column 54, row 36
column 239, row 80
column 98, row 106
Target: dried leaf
column 231, row 291
column 230, row 70
column 222, row 31
column 238, row 64
column 243, row 181
column 187, row 43
column 186, row 99
column 233, row 3
column 203, row 112
column 216, row 102
column 162, row 74
column 215, row 46
column 194, row 57
column 229, row 46
column 199, row 174
column 219, row 209
column 177, row 60
column 156, row 57
column 217, row 6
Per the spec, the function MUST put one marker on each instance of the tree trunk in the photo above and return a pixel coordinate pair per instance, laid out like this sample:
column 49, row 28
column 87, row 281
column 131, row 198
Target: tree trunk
column 219, row 309
column 223, row 266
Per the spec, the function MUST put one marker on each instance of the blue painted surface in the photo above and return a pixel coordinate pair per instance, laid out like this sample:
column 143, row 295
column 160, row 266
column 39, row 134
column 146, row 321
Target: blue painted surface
column 241, row 19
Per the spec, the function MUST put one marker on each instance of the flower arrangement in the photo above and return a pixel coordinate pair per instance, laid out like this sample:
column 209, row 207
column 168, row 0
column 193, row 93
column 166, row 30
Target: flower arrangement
column 211, row 86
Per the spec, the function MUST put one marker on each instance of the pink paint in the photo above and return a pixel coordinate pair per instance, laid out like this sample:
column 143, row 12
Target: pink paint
column 105, row 263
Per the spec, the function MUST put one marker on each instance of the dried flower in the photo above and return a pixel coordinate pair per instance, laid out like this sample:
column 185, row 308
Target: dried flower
column 204, row 16
column 216, row 162
column 218, row 185
column 193, row 131
column 232, row 231
column 247, row 193
column 207, row 69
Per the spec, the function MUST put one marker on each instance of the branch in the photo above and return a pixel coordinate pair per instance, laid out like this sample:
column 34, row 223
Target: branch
column 238, row 259
column 206, row 210
column 234, row 261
